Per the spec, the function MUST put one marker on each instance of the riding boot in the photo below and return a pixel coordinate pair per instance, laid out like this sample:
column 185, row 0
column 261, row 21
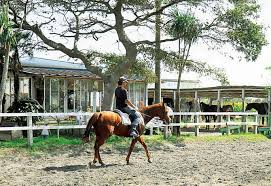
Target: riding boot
column 134, row 132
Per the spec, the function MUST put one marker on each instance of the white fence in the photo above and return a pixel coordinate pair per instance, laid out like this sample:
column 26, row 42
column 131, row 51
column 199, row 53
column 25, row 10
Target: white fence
column 198, row 121
column 81, row 117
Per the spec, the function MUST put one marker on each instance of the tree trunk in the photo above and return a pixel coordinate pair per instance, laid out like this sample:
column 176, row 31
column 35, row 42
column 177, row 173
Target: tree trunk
column 109, row 90
column 157, row 55
column 4, row 76
column 15, row 69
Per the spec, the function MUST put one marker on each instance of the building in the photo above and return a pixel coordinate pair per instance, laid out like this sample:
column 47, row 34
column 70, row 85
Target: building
column 62, row 86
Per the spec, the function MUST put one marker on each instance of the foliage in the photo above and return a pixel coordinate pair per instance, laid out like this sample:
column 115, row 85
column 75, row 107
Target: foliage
column 25, row 105
column 245, row 35
column 6, row 28
column 184, row 26
column 62, row 25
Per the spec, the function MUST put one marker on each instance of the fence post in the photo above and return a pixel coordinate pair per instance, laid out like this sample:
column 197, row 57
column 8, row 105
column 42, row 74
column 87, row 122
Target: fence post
column 227, row 124
column 246, row 125
column 30, row 130
column 197, row 126
column 256, row 126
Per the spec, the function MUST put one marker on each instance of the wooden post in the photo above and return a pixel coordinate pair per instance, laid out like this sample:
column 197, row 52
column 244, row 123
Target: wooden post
column 197, row 126
column 30, row 130
column 165, row 132
column 228, row 129
column 246, row 125
column 269, row 110
column 256, row 126
column 219, row 105
column 243, row 106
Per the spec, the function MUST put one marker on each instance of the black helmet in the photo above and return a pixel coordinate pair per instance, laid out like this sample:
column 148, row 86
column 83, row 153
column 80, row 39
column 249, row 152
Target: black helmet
column 122, row 80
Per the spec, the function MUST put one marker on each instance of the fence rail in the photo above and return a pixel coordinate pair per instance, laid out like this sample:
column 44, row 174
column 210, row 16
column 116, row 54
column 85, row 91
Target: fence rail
column 197, row 121
column 30, row 126
column 196, row 124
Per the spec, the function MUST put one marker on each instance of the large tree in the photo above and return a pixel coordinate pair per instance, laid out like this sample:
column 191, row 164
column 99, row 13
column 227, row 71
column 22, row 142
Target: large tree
column 56, row 21
column 234, row 26
column 7, row 38
column 85, row 20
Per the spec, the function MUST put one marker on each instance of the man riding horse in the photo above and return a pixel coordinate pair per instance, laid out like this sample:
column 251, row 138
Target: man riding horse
column 125, row 105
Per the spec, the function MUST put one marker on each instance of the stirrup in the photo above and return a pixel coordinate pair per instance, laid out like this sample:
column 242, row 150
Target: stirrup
column 134, row 134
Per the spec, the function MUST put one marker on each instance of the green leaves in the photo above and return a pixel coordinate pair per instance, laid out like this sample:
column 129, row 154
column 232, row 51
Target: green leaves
column 245, row 35
column 6, row 29
column 184, row 26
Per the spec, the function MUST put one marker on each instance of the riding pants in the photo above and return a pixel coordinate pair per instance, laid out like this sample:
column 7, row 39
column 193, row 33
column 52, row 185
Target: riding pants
column 134, row 116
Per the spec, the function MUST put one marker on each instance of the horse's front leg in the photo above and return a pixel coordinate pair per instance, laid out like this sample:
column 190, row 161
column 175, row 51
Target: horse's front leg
column 141, row 140
column 98, row 143
column 130, row 150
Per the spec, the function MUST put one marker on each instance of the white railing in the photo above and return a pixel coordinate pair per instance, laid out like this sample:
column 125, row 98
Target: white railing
column 197, row 121
column 30, row 126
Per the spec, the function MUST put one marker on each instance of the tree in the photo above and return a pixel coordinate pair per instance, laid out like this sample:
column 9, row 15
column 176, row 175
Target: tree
column 235, row 26
column 157, row 86
column 6, row 40
column 56, row 21
column 186, row 28
column 86, row 19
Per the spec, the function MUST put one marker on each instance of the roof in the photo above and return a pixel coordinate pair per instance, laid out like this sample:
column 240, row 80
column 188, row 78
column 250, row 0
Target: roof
column 53, row 68
column 59, row 72
column 49, row 63
column 225, row 92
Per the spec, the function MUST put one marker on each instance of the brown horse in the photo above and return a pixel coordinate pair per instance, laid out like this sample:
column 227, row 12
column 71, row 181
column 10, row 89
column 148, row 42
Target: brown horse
column 107, row 123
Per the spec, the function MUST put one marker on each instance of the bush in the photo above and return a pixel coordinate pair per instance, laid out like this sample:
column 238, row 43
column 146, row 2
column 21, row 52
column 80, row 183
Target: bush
column 25, row 105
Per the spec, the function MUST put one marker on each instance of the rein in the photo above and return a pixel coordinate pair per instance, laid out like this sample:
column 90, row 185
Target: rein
column 145, row 114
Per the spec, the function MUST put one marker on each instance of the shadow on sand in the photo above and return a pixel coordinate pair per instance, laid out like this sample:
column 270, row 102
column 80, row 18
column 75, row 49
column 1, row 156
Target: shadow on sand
column 72, row 168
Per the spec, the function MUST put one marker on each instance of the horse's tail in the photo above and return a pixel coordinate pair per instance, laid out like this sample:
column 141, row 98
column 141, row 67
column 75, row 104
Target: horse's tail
column 92, row 122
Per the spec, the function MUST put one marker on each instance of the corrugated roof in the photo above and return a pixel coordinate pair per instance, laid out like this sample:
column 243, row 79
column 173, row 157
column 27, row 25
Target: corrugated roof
column 49, row 63
column 59, row 72
column 225, row 92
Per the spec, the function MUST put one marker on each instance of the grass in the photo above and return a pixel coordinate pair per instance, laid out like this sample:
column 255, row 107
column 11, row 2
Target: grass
column 53, row 143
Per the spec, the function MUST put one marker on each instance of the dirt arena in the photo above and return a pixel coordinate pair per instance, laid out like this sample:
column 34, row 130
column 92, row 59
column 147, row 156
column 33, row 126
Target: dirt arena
column 194, row 163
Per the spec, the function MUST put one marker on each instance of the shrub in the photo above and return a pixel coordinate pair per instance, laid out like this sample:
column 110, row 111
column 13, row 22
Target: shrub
column 25, row 105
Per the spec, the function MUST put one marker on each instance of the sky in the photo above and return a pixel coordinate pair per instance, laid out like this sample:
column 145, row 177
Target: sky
column 238, row 72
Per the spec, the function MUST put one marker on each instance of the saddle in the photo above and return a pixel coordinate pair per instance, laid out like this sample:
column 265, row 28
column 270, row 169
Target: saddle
column 125, row 120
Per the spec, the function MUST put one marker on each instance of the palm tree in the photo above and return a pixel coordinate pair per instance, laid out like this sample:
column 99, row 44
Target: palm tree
column 6, row 40
column 187, row 28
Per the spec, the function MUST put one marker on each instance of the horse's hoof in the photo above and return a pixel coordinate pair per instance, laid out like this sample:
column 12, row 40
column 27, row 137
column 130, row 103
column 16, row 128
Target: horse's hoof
column 149, row 161
column 127, row 163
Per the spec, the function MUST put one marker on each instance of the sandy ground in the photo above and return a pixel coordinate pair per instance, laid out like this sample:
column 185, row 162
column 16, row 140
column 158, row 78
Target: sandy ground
column 197, row 163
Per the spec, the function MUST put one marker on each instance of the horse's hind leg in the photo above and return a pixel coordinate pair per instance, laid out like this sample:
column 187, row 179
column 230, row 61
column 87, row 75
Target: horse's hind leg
column 141, row 140
column 130, row 150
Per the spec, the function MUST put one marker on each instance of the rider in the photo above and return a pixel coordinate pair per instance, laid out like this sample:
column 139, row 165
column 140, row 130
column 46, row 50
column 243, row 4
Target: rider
column 125, row 105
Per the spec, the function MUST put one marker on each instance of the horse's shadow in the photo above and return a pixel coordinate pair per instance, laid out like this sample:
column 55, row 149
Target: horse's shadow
column 72, row 168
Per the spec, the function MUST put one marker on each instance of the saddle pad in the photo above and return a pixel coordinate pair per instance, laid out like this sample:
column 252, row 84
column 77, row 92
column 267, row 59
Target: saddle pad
column 125, row 120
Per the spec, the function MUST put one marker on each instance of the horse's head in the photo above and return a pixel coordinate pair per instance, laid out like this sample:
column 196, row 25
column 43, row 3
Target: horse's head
column 164, row 112
column 249, row 106
column 203, row 106
column 160, row 110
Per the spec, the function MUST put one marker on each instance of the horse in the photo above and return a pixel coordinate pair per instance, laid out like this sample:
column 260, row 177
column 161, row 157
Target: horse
column 107, row 123
column 226, row 108
column 262, row 108
column 208, row 108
